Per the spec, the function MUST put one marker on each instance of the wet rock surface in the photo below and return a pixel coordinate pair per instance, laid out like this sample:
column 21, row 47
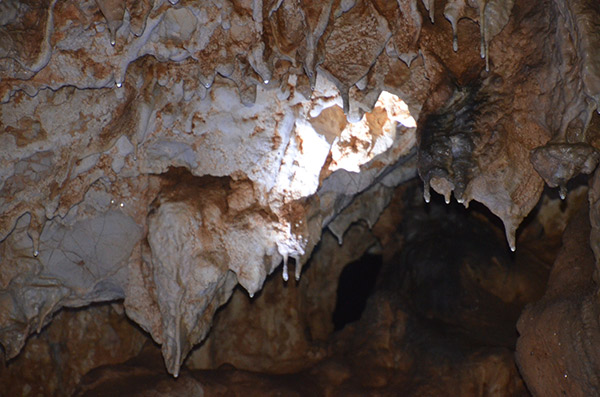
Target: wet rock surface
column 419, row 333
column 168, row 153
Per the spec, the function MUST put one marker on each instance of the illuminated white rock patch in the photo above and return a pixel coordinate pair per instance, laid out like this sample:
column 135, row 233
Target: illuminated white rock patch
column 372, row 135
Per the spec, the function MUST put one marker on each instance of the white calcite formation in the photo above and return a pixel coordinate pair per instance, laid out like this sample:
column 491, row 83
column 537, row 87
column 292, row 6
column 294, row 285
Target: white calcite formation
column 162, row 152
column 90, row 210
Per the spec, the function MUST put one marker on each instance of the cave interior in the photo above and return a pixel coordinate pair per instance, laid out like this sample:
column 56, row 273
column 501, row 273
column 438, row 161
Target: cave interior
column 296, row 198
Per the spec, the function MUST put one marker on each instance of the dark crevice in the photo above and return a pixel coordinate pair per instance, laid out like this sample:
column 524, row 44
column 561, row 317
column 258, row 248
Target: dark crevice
column 356, row 284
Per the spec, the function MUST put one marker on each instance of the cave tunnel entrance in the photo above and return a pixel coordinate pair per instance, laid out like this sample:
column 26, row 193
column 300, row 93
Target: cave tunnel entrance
column 356, row 284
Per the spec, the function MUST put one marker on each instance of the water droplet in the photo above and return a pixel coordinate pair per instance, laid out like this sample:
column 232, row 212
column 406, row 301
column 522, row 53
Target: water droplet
column 251, row 295
column 266, row 81
column 119, row 84
column 36, row 253
column 112, row 201
column 447, row 199
column 426, row 193
column 122, row 205
column 285, row 268
column 35, row 238
column 113, row 42
column 173, row 1
column 298, row 268
column 565, row 375
column 562, row 191
column 286, row 276
column 300, row 221
column 510, row 232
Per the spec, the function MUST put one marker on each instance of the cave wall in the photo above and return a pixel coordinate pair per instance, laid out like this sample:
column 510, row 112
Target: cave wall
column 164, row 152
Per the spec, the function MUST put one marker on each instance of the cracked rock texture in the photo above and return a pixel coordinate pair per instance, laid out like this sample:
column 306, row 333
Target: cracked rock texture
column 163, row 152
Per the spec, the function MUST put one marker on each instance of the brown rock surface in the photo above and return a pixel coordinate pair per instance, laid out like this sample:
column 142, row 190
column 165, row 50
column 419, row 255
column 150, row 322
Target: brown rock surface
column 556, row 351
column 160, row 152
column 78, row 340
column 411, row 339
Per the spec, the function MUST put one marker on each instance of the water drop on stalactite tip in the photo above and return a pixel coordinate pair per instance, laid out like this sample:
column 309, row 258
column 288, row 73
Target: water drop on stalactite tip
column 562, row 191
column 426, row 193
column 113, row 42
column 251, row 295
column 35, row 239
column 447, row 199
column 298, row 269
column 119, row 84
column 285, row 268
column 512, row 243
column 455, row 43
column 511, row 237
column 266, row 81
column 286, row 277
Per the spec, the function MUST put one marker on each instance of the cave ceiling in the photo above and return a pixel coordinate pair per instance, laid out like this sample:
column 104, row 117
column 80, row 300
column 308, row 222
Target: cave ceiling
column 163, row 152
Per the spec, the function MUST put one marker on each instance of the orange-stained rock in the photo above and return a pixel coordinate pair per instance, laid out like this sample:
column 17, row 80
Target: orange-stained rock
column 101, row 100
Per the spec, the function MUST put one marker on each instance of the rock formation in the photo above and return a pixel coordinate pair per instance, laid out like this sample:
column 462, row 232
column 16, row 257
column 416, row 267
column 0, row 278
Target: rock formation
column 165, row 154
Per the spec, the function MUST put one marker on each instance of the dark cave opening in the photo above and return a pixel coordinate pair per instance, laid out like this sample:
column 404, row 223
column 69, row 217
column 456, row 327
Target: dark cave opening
column 356, row 284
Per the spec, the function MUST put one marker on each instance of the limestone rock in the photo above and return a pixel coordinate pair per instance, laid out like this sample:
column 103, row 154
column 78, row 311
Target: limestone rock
column 78, row 340
column 556, row 350
column 106, row 104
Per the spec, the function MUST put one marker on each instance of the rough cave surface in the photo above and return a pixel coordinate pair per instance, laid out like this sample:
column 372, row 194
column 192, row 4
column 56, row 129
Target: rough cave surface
column 165, row 164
